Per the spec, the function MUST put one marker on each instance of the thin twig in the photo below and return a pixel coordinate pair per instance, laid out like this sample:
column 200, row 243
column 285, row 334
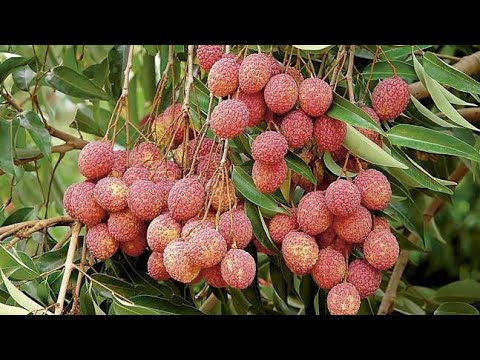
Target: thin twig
column 349, row 77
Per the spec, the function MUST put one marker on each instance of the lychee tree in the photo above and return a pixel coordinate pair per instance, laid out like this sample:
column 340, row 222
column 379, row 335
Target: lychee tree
column 237, row 179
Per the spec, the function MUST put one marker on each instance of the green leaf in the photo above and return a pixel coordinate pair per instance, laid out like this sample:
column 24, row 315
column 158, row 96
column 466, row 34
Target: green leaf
column 308, row 291
column 408, row 216
column 6, row 147
column 239, row 301
column 258, row 227
column 244, row 184
column 117, row 59
column 10, row 64
column 455, row 308
column 10, row 263
column 278, row 281
column 164, row 306
column 19, row 215
column 399, row 51
column 431, row 141
column 312, row 47
column 54, row 259
column 40, row 135
column 452, row 99
column 429, row 115
column 70, row 82
column 118, row 286
column 12, row 310
column 404, row 243
column 334, row 167
column 121, row 307
column 366, row 149
column 448, row 75
column 23, row 77
column 383, row 69
column 467, row 291
column 295, row 163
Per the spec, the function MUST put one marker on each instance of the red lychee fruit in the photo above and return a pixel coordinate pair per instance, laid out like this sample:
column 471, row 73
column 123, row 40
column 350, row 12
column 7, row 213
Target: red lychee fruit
column 145, row 200
column 275, row 66
column 111, row 194
column 374, row 188
column 163, row 188
column 269, row 147
column 213, row 276
column 170, row 124
column 236, row 228
column 268, row 178
column 262, row 249
column 329, row 270
column 229, row 119
column 79, row 202
column 124, row 226
column 194, row 225
column 208, row 164
column 165, row 170
column 313, row 215
column 186, row 199
column 300, row 252
column 342, row 246
column 342, row 198
column 381, row 249
column 295, row 74
column 390, row 97
column 156, row 268
column 136, row 247
column 326, row 238
column 281, row 93
column 343, row 299
column 354, row 228
column 207, row 146
column 223, row 196
column 223, row 77
column 329, row 133
column 134, row 174
column 380, row 223
column 206, row 248
column 370, row 134
column 255, row 104
column 364, row 277
column 100, row 242
column 317, row 169
column 315, row 96
column 208, row 55
column 177, row 262
column 238, row 269
column 119, row 163
column 281, row 224
column 254, row 73
column 161, row 231
column 96, row 160
column 144, row 154
column 297, row 128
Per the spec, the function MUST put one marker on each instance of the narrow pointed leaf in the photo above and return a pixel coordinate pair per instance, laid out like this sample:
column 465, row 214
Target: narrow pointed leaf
column 7, row 66
column 40, row 135
column 334, row 167
column 430, row 115
column 382, row 70
column 295, row 163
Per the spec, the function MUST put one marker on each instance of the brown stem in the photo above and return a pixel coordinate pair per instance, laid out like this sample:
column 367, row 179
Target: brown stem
column 349, row 77
column 209, row 304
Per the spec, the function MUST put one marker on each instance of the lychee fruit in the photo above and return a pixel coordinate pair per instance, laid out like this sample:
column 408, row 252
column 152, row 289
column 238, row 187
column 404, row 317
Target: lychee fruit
column 374, row 188
column 163, row 188
column 236, row 228
column 326, row 238
column 268, row 178
column 223, row 196
column 342, row 198
column 161, row 231
column 238, row 269
column 229, row 119
column 194, row 225
column 370, row 134
column 380, row 223
column 318, row 172
column 354, row 228
column 208, row 165
column 281, row 224
column 100, row 242
column 315, row 96
column 177, row 262
column 223, row 77
column 390, row 97
column 208, row 55
column 297, row 128
column 343, row 299
column 165, row 170
column 256, row 106
column 300, row 252
column 134, row 174
column 330, row 268
column 281, row 93
column 275, row 66
column 254, row 73
column 111, row 194
column 269, row 147
column 144, row 154
column 343, row 247
column 135, row 247
column 186, row 199
column 381, row 249
column 364, row 277
column 206, row 147
column 79, row 202
column 213, row 276
column 329, row 133
column 170, row 124
column 124, row 226
column 145, row 200
column 156, row 268
column 96, row 160
column 313, row 215
column 207, row 248
column 119, row 163
column 295, row 74
column 262, row 249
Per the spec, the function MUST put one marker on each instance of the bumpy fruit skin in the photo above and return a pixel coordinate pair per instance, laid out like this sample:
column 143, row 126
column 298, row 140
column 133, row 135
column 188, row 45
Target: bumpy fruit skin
column 238, row 269
column 236, row 227
column 163, row 188
column 119, row 163
column 207, row 165
column 390, row 97
column 380, row 223
column 343, row 299
column 329, row 269
column 96, row 160
column 256, row 106
column 208, row 55
column 295, row 74
column 370, row 134
column 313, row 215
column 329, row 133
column 156, row 268
column 207, row 248
column 229, row 119
column 134, row 248
column 145, row 200
column 161, row 231
column 269, row 147
column 300, row 252
column 354, row 228
column 381, row 249
column 213, row 276
column 297, row 127
column 374, row 188
column 170, row 124
column 326, row 238
column 281, row 93
column 124, row 226
column 364, row 277
column 342, row 198
column 194, row 226
column 223, row 77
column 224, row 190
column 186, row 199
column 268, row 178
column 254, row 73
column 165, row 170
column 177, row 262
column 318, row 172
column 111, row 194
column 134, row 174
column 275, row 66
column 343, row 247
column 205, row 149
column 100, row 242
column 144, row 154
column 315, row 96
column 262, row 249
column 79, row 202
column 281, row 224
